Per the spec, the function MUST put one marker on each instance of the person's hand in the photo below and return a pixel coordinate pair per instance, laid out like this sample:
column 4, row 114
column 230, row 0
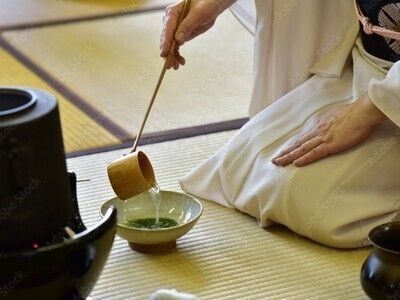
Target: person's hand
column 201, row 17
column 339, row 129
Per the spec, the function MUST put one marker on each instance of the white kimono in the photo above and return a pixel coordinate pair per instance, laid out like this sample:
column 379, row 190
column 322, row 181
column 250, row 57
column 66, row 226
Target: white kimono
column 337, row 200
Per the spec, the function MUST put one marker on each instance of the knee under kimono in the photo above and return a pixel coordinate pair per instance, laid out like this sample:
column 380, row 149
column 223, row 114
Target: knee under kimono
column 335, row 201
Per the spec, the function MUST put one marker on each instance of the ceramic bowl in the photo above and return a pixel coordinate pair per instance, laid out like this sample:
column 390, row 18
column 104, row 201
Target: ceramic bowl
column 177, row 206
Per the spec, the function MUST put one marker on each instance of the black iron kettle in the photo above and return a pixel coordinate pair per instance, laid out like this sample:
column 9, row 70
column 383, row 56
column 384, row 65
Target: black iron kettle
column 35, row 197
column 37, row 200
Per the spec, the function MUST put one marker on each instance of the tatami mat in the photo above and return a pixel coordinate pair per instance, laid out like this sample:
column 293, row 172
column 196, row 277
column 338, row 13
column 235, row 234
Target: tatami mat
column 114, row 64
column 226, row 255
column 25, row 13
column 80, row 132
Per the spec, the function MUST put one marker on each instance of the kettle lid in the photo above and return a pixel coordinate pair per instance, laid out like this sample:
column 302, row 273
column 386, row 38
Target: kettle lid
column 15, row 100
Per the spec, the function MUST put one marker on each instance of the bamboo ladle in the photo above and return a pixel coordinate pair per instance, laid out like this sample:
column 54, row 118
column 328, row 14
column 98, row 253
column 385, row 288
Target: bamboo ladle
column 133, row 173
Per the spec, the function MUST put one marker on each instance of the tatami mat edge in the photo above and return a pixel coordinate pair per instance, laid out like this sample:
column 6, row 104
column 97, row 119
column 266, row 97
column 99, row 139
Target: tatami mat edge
column 98, row 117
column 168, row 135
column 99, row 16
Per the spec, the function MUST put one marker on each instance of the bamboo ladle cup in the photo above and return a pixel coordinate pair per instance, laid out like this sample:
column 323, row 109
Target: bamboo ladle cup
column 133, row 173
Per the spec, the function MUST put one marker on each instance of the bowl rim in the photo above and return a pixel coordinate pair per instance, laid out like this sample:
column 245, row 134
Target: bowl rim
column 120, row 225
column 377, row 230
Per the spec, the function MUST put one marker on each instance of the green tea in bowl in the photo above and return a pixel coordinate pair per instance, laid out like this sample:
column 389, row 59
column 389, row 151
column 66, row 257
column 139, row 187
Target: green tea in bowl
column 152, row 223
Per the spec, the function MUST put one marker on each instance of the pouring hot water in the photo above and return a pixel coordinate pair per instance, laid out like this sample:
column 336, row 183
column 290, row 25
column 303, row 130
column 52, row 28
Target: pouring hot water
column 133, row 173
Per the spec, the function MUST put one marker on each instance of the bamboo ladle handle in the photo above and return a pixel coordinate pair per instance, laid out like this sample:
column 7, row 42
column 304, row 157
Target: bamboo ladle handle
column 183, row 14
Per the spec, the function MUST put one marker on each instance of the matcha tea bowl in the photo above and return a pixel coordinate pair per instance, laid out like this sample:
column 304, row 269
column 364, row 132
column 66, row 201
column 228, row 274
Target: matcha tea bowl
column 177, row 214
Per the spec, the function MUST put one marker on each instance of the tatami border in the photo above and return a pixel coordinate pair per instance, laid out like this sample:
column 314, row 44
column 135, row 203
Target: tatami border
column 81, row 19
column 169, row 135
column 101, row 119
column 97, row 116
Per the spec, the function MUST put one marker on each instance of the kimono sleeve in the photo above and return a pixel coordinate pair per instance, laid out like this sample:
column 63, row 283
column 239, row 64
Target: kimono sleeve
column 385, row 94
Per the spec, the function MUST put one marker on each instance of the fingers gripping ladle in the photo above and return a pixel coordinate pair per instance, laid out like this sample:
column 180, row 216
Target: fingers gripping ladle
column 133, row 173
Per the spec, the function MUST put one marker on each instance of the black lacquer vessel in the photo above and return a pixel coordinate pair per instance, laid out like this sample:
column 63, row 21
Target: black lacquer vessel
column 380, row 273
